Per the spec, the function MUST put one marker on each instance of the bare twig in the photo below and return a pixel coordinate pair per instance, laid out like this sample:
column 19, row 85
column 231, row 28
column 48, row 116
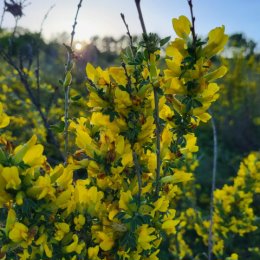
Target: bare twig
column 45, row 18
column 68, row 68
column 194, row 36
column 127, row 31
column 2, row 18
column 141, row 18
column 75, row 23
column 37, row 70
column 213, row 187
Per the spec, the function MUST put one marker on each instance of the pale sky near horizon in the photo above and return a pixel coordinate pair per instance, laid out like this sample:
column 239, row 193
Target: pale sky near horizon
column 102, row 17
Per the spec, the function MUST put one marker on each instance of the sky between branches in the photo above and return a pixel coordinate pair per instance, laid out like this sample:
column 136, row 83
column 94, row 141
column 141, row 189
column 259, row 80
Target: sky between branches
column 102, row 17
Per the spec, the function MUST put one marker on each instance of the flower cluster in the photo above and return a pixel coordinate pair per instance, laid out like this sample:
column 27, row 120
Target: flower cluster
column 134, row 142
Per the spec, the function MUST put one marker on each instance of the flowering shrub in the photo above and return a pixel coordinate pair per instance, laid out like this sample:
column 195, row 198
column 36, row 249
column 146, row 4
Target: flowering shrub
column 134, row 159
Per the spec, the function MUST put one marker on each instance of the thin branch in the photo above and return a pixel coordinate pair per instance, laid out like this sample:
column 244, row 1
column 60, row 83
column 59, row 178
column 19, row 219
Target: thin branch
column 2, row 18
column 213, row 187
column 45, row 18
column 156, row 111
column 75, row 23
column 158, row 141
column 37, row 70
column 141, row 18
column 192, row 20
column 139, row 177
column 68, row 68
column 26, row 84
column 127, row 31
column 194, row 36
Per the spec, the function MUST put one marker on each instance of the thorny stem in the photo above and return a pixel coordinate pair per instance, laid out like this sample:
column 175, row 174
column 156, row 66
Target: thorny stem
column 213, row 187
column 156, row 112
column 67, row 89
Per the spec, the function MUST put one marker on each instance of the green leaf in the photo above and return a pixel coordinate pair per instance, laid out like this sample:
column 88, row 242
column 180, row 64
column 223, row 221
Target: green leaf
column 58, row 128
column 76, row 98
column 164, row 40
column 68, row 79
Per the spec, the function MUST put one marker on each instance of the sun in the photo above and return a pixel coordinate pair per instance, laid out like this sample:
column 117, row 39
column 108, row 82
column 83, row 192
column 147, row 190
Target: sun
column 78, row 46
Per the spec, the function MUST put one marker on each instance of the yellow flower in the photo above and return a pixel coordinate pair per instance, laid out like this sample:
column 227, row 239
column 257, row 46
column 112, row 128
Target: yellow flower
column 62, row 230
column 74, row 246
column 93, row 253
column 79, row 221
column 4, row 118
column 118, row 74
column 181, row 26
column 41, row 188
column 233, row 257
column 169, row 226
column 161, row 205
column 106, row 240
column 30, row 153
column 122, row 100
column 34, row 156
column 178, row 176
column 11, row 177
column 24, row 255
column 42, row 241
column 145, row 237
column 125, row 199
column 10, row 221
column 19, row 198
column 216, row 42
column 18, row 233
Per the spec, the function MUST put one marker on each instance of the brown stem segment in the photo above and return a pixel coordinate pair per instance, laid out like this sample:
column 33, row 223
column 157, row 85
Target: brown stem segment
column 141, row 18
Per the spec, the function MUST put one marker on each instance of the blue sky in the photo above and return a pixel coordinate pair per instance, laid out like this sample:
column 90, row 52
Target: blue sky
column 102, row 17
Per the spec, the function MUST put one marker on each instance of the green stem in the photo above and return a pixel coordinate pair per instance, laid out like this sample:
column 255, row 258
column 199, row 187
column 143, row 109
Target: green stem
column 139, row 177
column 68, row 68
column 158, row 142
column 213, row 187
column 66, row 120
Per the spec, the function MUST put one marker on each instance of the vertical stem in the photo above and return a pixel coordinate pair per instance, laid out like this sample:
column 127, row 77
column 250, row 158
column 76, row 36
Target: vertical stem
column 156, row 111
column 2, row 18
column 158, row 140
column 139, row 177
column 66, row 120
column 213, row 187
column 194, row 37
column 37, row 74
column 139, row 10
column 68, row 68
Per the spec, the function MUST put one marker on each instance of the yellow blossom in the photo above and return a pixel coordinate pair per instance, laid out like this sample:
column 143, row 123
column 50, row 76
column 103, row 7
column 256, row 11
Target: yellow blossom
column 11, row 177
column 18, row 233
column 145, row 237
